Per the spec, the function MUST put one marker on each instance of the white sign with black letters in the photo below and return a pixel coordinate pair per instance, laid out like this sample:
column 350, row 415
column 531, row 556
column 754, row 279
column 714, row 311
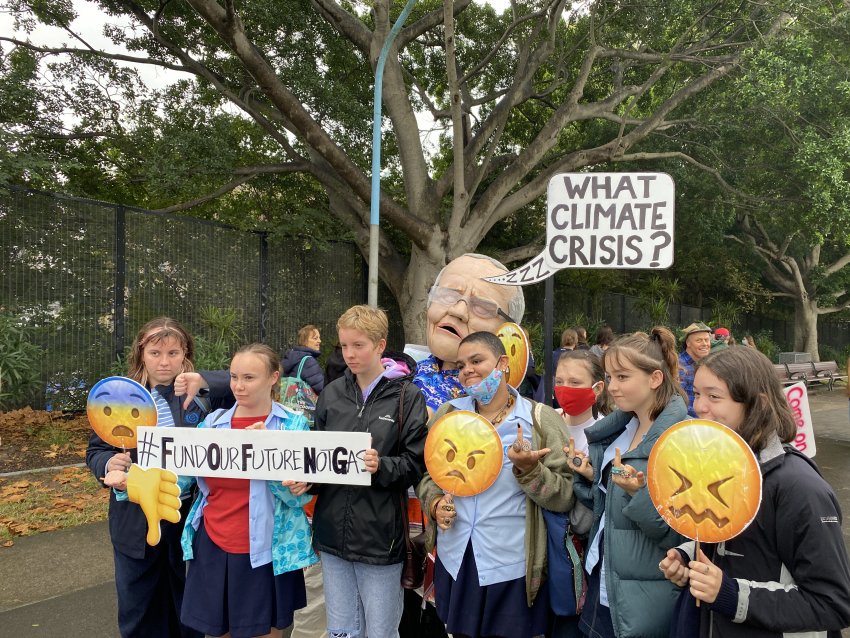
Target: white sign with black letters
column 603, row 220
column 279, row 455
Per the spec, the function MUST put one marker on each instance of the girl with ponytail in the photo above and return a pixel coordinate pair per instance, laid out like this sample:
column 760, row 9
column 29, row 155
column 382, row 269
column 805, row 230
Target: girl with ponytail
column 627, row 594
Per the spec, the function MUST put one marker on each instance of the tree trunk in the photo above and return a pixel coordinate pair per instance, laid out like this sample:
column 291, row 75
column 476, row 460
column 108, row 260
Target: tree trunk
column 806, row 327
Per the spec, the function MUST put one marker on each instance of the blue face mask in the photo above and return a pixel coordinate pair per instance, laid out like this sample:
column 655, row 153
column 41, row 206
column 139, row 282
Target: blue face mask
column 484, row 391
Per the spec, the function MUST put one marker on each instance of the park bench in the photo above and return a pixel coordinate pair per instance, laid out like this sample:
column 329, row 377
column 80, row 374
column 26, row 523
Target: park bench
column 783, row 375
column 827, row 370
column 799, row 372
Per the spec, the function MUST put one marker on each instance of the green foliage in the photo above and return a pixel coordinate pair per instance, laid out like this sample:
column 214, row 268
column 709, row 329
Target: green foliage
column 766, row 345
column 222, row 329
column 20, row 363
column 211, row 355
column 535, row 337
column 724, row 313
column 655, row 297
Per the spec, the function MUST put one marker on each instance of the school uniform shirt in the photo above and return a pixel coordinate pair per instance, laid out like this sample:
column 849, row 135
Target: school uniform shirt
column 495, row 519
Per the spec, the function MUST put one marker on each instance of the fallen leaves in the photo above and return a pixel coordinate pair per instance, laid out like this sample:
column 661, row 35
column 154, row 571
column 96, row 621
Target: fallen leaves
column 48, row 501
column 35, row 439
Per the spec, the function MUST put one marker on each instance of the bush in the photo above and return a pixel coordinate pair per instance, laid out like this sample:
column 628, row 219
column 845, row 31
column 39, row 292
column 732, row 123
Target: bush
column 20, row 363
column 766, row 345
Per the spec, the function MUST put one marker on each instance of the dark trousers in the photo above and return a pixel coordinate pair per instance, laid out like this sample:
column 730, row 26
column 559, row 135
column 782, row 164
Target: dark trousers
column 150, row 590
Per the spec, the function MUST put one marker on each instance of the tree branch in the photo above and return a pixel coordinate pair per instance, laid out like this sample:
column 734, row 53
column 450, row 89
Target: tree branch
column 96, row 53
column 523, row 253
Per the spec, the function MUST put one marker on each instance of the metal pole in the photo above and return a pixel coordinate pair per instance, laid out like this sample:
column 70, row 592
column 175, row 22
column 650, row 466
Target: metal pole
column 548, row 326
column 375, row 216
column 263, row 288
column 120, row 278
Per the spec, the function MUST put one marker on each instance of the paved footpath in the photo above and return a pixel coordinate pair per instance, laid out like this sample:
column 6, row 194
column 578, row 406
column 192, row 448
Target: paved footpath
column 61, row 584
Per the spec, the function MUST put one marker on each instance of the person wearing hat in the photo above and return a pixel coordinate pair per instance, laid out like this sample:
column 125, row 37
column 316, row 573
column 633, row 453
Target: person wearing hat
column 696, row 345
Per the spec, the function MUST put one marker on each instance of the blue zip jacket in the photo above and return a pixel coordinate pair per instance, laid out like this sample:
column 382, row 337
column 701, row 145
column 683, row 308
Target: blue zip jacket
column 278, row 530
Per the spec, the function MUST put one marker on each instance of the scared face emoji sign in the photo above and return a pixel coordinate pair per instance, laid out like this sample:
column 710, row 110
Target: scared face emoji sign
column 116, row 407
column 704, row 480
column 517, row 348
column 463, row 453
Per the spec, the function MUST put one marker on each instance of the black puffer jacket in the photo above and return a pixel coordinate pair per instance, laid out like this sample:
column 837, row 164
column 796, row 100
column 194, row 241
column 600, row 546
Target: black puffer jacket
column 311, row 373
column 127, row 524
column 364, row 524
column 790, row 563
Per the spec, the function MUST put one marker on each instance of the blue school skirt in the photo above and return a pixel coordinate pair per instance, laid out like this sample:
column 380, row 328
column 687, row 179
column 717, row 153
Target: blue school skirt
column 224, row 593
column 498, row 611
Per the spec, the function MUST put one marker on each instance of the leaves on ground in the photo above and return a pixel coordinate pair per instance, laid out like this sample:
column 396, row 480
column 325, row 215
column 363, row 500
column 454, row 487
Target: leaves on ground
column 34, row 439
column 47, row 501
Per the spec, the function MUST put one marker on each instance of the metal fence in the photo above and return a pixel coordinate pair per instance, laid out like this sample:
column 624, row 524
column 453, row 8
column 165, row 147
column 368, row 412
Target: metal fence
column 623, row 314
column 87, row 274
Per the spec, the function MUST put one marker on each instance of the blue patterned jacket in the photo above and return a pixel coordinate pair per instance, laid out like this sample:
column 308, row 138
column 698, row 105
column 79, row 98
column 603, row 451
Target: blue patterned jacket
column 277, row 525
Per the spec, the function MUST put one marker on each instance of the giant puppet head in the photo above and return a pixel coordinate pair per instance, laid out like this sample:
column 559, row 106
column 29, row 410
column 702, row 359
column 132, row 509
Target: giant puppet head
column 461, row 302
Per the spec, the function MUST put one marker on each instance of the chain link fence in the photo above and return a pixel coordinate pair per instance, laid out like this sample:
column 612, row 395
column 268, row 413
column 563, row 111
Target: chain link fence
column 85, row 275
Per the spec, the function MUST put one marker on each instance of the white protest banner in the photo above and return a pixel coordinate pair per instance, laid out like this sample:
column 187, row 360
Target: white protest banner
column 798, row 399
column 313, row 457
column 603, row 220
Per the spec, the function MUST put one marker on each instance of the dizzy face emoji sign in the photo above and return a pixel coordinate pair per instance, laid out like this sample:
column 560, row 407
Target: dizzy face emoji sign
column 704, row 480
column 116, row 407
column 463, row 453
column 517, row 348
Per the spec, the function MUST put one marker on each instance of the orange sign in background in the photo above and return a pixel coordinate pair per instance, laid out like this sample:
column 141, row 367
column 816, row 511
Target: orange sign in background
column 704, row 480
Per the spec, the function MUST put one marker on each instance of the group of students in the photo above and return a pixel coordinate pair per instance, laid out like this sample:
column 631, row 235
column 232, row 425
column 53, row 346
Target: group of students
column 566, row 542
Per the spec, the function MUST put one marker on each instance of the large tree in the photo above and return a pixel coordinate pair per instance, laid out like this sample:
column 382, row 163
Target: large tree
column 541, row 88
column 777, row 133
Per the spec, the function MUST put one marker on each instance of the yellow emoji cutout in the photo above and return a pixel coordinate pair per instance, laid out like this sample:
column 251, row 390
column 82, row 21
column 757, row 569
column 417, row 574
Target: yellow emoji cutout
column 463, row 453
column 517, row 347
column 155, row 491
column 704, row 480
column 116, row 407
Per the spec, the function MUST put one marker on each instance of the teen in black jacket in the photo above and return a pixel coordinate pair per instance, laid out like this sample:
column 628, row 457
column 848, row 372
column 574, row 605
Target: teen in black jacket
column 359, row 530
column 788, row 572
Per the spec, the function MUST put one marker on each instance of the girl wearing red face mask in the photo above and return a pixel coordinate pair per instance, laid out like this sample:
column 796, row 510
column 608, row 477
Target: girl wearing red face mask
column 580, row 390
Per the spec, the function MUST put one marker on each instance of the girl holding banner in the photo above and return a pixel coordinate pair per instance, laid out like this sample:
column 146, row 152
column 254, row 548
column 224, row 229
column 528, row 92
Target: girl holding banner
column 788, row 571
column 150, row 578
column 247, row 541
column 627, row 596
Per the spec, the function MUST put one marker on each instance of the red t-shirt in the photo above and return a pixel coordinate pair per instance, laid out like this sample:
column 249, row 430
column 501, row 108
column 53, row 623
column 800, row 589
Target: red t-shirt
column 226, row 513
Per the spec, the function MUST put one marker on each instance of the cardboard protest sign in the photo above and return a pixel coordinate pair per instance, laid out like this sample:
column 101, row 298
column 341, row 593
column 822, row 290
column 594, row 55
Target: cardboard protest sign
column 798, row 398
column 312, row 457
column 603, row 220
column 704, row 480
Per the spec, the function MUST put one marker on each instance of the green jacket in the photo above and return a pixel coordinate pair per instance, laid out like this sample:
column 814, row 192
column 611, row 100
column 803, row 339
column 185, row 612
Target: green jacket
column 548, row 485
column 636, row 538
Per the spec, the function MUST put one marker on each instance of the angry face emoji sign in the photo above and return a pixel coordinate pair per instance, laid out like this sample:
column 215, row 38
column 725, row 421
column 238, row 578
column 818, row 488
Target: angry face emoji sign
column 116, row 407
column 463, row 453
